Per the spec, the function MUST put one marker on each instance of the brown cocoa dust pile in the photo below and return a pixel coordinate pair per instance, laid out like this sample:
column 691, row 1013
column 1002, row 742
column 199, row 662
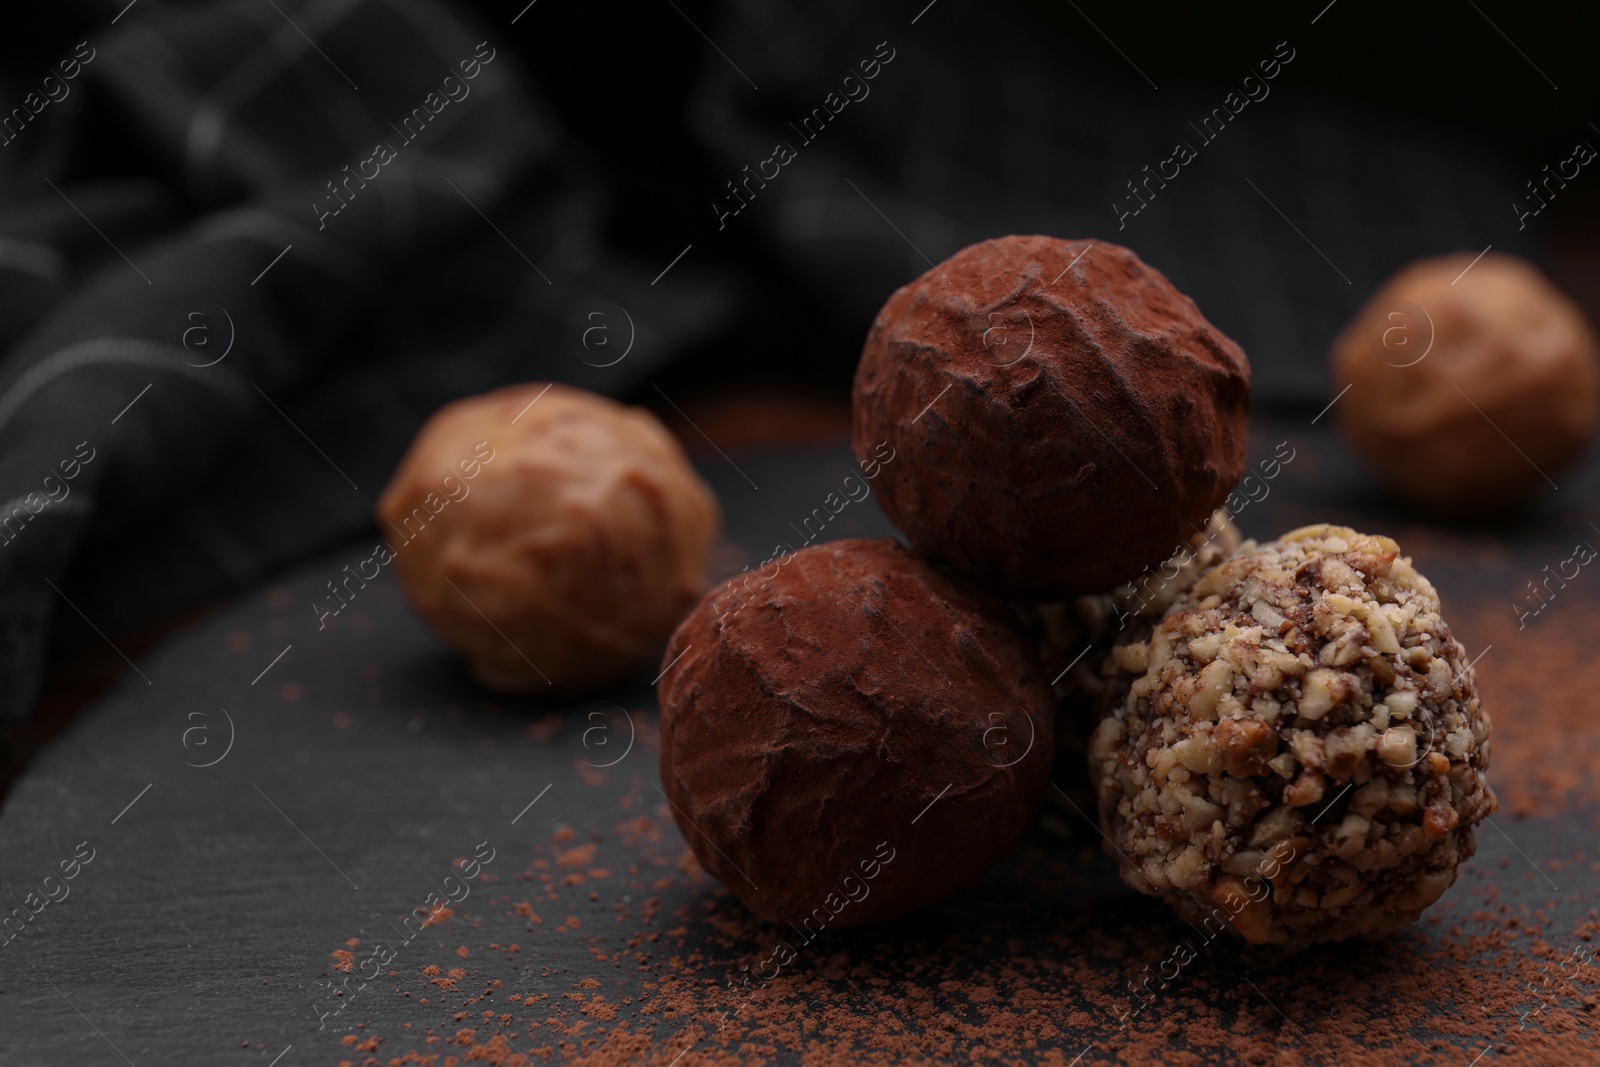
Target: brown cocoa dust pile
column 612, row 946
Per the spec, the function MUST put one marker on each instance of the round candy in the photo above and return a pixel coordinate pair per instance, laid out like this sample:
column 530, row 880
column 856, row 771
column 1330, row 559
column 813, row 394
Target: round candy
column 551, row 535
column 851, row 734
column 1468, row 390
column 1060, row 415
column 1297, row 752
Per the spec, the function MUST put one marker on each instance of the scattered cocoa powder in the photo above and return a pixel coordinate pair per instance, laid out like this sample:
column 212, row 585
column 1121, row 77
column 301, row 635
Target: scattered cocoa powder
column 1036, row 974
column 1542, row 685
column 1050, row 955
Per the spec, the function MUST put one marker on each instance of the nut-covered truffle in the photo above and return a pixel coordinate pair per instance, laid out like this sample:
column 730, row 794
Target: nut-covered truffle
column 1468, row 390
column 1062, row 416
column 553, row 536
column 853, row 736
column 1298, row 753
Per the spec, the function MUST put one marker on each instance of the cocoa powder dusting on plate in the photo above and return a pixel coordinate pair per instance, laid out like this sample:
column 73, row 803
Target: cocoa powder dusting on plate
column 1542, row 685
column 1037, row 966
column 1050, row 960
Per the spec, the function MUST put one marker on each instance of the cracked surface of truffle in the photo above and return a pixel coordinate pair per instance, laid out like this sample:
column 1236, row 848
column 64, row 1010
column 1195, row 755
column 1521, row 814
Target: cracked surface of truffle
column 1468, row 388
column 563, row 560
column 853, row 703
column 1063, row 415
column 1297, row 750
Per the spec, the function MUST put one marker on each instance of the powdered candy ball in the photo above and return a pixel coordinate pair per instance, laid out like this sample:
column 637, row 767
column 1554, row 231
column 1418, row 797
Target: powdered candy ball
column 551, row 535
column 852, row 734
column 1062, row 416
column 1469, row 383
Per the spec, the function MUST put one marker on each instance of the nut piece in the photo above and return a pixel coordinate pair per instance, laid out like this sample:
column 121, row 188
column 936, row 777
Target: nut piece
column 1463, row 387
column 1247, row 746
column 556, row 543
column 1398, row 747
column 1253, row 776
column 1061, row 415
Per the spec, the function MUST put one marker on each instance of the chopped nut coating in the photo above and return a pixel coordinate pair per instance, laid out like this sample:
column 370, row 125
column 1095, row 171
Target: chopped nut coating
column 1297, row 747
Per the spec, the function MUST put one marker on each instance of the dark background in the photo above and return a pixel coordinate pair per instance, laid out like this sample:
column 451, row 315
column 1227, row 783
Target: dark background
column 1403, row 84
column 1396, row 132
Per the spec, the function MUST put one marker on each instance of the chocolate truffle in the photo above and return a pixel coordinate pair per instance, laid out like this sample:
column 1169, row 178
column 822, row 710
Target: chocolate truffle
column 1467, row 390
column 1297, row 752
column 852, row 735
column 553, row 536
column 1061, row 415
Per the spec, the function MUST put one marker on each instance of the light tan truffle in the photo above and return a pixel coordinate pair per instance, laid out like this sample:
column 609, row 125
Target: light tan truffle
column 1466, row 391
column 1297, row 752
column 551, row 535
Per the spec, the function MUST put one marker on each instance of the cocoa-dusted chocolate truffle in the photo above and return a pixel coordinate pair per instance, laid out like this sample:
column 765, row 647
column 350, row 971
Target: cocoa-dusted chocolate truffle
column 1061, row 415
column 853, row 735
column 1468, row 390
column 1297, row 753
column 553, row 536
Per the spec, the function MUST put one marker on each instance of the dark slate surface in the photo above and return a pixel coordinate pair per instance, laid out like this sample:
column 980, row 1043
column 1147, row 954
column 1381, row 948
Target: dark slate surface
column 363, row 762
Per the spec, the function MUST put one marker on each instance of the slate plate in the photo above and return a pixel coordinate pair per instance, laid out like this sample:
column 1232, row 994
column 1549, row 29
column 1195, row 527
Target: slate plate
column 352, row 767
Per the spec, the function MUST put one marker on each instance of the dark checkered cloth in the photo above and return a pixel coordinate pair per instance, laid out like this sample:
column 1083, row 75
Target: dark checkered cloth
column 171, row 201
